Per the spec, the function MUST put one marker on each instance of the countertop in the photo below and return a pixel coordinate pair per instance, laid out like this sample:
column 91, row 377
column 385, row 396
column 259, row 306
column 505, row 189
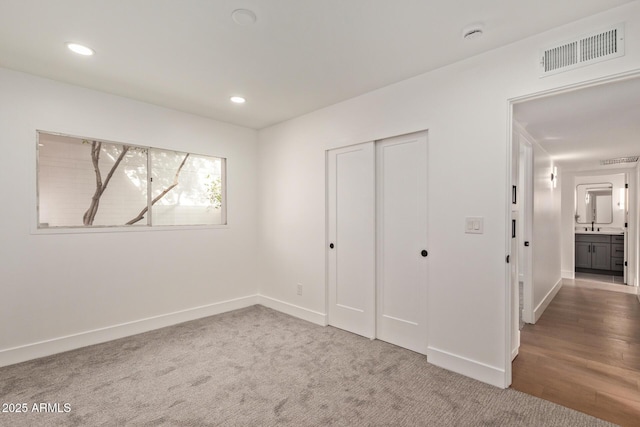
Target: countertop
column 611, row 233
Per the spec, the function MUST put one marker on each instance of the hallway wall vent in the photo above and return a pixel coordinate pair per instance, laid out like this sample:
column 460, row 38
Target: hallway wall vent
column 581, row 51
column 630, row 159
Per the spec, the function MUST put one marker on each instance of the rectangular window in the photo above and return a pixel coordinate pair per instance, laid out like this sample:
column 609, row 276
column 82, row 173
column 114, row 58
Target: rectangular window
column 91, row 183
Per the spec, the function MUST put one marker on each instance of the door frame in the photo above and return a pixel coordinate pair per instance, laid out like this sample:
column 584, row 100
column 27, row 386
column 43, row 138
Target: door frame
column 634, row 223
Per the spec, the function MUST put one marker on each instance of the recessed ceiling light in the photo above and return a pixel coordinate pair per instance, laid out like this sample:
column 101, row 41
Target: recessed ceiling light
column 243, row 17
column 472, row 33
column 238, row 99
column 80, row 49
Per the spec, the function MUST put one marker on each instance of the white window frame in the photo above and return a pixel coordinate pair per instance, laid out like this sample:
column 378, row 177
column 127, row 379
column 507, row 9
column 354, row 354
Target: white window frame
column 148, row 226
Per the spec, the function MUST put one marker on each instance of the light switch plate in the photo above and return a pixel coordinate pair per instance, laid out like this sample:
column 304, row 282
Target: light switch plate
column 474, row 225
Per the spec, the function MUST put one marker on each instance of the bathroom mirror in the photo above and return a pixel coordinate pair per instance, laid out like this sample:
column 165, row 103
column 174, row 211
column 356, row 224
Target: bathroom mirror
column 594, row 203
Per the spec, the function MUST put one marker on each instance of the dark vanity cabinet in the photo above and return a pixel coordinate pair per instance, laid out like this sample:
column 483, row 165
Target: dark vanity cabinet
column 593, row 251
column 602, row 253
column 617, row 252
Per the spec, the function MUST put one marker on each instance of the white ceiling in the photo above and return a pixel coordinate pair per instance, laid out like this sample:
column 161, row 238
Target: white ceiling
column 582, row 127
column 300, row 55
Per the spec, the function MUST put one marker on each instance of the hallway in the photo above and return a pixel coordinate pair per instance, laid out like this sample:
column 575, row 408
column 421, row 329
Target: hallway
column 584, row 353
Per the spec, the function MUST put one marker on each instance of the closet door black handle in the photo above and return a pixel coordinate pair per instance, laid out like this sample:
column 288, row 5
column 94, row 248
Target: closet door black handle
column 424, row 253
column 331, row 245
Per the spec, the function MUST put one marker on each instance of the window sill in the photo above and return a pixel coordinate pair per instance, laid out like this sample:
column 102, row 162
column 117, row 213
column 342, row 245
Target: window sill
column 121, row 229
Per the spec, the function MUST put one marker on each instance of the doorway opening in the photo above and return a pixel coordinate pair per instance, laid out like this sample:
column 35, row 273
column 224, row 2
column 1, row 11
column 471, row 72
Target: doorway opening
column 581, row 233
column 572, row 160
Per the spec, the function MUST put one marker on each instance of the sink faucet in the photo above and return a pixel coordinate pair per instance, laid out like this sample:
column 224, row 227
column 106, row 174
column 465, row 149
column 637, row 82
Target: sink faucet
column 592, row 225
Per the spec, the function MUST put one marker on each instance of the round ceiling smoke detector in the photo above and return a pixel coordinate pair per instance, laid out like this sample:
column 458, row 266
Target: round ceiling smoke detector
column 243, row 17
column 472, row 33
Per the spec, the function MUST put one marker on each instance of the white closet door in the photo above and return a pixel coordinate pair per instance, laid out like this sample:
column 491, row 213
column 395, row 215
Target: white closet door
column 401, row 239
column 351, row 238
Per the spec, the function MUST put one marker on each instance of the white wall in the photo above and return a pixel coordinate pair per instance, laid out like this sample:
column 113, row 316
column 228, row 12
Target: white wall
column 465, row 109
column 547, row 227
column 60, row 285
column 546, row 243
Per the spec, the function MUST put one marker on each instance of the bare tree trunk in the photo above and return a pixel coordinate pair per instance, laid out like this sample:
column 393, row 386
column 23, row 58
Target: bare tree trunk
column 140, row 216
column 87, row 218
column 96, row 146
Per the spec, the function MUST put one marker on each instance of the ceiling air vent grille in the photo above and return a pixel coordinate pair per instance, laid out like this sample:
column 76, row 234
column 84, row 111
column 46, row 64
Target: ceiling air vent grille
column 584, row 50
column 630, row 159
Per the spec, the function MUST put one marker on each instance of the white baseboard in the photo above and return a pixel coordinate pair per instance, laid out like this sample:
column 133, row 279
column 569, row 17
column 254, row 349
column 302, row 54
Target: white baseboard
column 546, row 301
column 467, row 367
column 565, row 274
column 293, row 310
column 70, row 342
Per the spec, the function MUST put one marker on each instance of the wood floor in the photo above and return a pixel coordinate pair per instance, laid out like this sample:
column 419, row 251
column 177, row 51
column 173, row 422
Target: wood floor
column 584, row 353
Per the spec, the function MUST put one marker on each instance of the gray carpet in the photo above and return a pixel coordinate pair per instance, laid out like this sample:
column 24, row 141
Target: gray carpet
column 258, row 367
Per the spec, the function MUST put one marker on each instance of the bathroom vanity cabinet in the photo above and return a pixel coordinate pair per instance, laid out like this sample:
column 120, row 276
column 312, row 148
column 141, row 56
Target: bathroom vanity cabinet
column 600, row 253
column 617, row 253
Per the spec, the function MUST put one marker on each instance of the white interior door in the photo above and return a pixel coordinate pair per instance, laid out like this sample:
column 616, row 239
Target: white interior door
column 627, row 236
column 351, row 238
column 401, row 315
column 514, row 253
column 525, row 203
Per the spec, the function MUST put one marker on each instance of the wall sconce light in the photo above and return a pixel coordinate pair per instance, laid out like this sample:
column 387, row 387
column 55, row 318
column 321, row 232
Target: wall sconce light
column 554, row 177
